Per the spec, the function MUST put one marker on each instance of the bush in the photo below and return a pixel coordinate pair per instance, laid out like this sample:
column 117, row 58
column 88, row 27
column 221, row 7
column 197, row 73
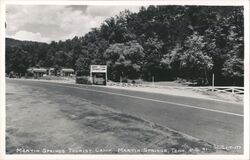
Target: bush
column 83, row 80
column 124, row 80
column 133, row 81
column 138, row 81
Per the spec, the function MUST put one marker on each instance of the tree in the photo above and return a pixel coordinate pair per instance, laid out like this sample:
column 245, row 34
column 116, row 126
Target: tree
column 233, row 69
column 166, row 42
column 124, row 60
column 153, row 55
column 19, row 61
column 194, row 60
column 82, row 66
column 63, row 59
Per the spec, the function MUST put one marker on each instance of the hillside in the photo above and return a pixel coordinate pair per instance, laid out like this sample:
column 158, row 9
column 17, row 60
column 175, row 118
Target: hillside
column 10, row 42
column 164, row 42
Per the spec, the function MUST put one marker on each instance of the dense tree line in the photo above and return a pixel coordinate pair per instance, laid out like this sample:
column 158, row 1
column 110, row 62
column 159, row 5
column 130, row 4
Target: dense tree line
column 167, row 42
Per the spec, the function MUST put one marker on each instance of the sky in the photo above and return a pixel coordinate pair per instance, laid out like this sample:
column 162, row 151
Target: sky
column 46, row 23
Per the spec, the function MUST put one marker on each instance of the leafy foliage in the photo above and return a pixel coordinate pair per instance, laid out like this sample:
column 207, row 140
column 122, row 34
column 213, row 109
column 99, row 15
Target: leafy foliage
column 167, row 42
column 124, row 60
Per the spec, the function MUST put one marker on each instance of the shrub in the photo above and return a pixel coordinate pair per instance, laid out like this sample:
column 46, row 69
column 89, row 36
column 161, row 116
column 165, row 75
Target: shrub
column 83, row 80
column 138, row 81
column 124, row 80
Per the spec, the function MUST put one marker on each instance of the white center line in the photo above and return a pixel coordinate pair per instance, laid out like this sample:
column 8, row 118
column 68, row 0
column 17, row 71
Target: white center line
column 153, row 100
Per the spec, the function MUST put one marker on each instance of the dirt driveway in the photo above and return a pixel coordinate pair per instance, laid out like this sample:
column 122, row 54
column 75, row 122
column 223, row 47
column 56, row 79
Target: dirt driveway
column 39, row 121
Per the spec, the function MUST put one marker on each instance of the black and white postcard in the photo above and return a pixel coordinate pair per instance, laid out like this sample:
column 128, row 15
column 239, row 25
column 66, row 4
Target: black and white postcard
column 125, row 80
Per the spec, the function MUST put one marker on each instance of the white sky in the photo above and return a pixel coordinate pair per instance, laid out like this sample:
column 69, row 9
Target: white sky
column 45, row 23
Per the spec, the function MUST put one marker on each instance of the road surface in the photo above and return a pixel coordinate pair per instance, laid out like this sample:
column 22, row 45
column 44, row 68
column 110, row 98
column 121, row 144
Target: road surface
column 216, row 122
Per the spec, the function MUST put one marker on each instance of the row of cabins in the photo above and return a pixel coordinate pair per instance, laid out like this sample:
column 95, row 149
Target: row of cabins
column 40, row 72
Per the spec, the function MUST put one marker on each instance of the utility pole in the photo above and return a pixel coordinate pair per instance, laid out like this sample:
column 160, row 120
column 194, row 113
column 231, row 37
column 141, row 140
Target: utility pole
column 213, row 82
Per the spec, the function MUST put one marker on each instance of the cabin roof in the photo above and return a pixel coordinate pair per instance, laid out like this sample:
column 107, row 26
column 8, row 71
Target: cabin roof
column 42, row 70
column 67, row 70
column 39, row 70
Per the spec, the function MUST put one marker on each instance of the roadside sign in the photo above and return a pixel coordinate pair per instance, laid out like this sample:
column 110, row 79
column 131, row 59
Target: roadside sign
column 95, row 70
column 98, row 68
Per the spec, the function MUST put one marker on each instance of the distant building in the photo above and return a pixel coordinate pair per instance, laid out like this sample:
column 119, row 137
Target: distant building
column 37, row 72
column 66, row 72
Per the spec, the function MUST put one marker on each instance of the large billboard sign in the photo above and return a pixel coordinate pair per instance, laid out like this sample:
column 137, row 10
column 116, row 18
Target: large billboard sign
column 98, row 68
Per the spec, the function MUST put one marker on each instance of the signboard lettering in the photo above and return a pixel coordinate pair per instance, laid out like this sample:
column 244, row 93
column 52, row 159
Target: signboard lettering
column 98, row 68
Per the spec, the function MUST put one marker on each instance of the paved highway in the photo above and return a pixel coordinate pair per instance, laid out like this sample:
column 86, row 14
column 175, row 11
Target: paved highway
column 217, row 122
